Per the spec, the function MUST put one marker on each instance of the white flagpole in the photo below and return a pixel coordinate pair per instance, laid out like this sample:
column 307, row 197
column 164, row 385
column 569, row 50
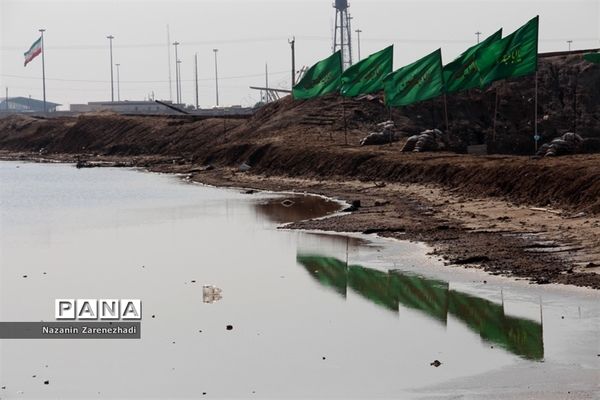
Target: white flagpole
column 43, row 70
column 536, row 137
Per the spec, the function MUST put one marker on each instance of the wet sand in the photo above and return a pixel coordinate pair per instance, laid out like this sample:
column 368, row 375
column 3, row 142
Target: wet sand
column 544, row 245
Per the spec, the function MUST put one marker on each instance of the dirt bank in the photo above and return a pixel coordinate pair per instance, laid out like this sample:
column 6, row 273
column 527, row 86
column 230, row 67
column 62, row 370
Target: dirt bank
column 474, row 210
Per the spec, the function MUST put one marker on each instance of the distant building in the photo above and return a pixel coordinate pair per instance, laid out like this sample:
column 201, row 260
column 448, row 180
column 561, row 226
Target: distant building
column 125, row 107
column 26, row 105
column 162, row 107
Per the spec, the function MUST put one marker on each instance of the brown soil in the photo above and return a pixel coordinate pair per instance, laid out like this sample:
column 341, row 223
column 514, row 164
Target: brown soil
column 473, row 210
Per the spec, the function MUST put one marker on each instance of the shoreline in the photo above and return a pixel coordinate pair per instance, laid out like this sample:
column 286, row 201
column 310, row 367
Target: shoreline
column 523, row 242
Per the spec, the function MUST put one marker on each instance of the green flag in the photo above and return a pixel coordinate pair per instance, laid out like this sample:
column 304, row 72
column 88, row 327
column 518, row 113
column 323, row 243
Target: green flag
column 366, row 76
column 418, row 81
column 322, row 78
column 592, row 57
column 515, row 55
column 462, row 73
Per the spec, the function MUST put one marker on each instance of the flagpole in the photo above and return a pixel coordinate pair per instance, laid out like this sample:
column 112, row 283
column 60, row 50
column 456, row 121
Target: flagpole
column 390, row 118
column 446, row 113
column 43, row 70
column 536, row 137
column 575, row 105
column 345, row 121
column 495, row 115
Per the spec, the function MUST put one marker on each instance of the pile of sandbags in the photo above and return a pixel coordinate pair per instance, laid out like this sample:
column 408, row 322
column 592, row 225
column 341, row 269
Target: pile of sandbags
column 429, row 140
column 569, row 143
column 385, row 134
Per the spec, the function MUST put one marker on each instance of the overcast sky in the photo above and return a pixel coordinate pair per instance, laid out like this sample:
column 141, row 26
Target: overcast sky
column 248, row 34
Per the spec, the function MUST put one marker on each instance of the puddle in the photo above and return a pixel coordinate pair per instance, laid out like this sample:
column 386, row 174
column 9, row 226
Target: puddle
column 294, row 208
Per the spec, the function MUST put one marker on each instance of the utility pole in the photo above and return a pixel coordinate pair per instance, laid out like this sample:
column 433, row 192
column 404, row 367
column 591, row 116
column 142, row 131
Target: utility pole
column 268, row 96
column 569, row 43
column 169, row 61
column 478, row 34
column 349, row 30
column 342, row 39
column 196, row 75
column 118, row 83
column 176, row 72
column 358, row 32
column 43, row 69
column 6, row 99
column 179, row 83
column 293, row 45
column 216, row 76
column 112, row 85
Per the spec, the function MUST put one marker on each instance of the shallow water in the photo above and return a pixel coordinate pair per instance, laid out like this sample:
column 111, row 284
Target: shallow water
column 313, row 314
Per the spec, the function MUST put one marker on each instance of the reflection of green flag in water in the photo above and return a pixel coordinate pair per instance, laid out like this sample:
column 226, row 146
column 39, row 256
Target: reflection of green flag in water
column 592, row 57
column 366, row 76
column 520, row 336
column 517, row 335
column 372, row 284
column 427, row 295
column 515, row 55
column 322, row 78
column 421, row 80
column 328, row 271
column 462, row 73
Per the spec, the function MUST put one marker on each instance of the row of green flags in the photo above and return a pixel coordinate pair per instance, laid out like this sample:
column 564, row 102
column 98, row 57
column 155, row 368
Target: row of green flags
column 493, row 59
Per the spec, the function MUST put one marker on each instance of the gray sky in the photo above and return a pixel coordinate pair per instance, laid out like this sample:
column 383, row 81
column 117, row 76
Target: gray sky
column 248, row 34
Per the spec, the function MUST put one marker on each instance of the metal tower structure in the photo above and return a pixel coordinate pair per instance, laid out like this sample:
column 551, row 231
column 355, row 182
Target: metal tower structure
column 342, row 34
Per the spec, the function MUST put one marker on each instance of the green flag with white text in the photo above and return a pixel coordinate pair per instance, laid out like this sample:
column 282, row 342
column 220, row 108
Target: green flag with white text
column 322, row 78
column 515, row 55
column 366, row 76
column 421, row 80
column 462, row 73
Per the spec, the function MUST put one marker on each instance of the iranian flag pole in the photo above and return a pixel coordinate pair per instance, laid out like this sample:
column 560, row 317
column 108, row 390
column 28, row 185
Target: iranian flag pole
column 43, row 70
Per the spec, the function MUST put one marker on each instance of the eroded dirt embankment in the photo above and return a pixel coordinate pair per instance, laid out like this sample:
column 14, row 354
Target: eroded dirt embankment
column 572, row 182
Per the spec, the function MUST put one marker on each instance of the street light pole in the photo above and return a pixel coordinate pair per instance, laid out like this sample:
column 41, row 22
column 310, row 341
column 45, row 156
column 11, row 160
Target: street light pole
column 176, row 72
column 293, row 44
column 196, row 77
column 358, row 32
column 216, row 76
column 112, row 85
column 179, row 84
column 118, row 83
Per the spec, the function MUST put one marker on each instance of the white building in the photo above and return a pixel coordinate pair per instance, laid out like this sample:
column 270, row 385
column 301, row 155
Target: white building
column 124, row 107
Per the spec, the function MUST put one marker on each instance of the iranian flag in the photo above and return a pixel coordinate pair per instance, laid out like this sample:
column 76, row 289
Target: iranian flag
column 34, row 51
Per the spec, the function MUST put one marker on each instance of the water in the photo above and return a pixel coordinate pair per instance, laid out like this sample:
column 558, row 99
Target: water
column 314, row 315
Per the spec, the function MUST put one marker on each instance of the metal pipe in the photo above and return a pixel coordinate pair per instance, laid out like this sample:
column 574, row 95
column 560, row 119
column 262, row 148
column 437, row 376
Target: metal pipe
column 216, row 76
column 112, row 85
